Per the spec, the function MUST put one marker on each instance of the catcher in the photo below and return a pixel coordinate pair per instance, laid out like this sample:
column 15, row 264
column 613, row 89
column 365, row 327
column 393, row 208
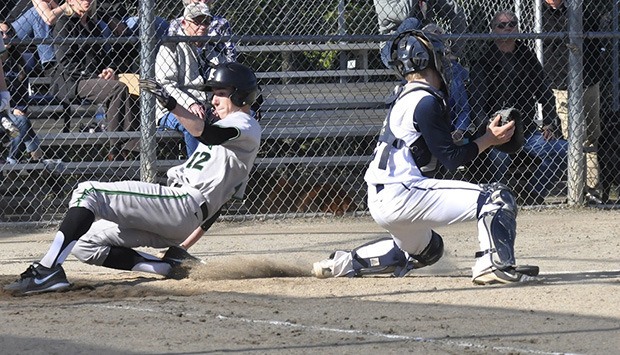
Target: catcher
column 136, row 213
column 403, row 196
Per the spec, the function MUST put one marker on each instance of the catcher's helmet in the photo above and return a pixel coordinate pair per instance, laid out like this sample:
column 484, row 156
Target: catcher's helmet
column 414, row 51
column 236, row 76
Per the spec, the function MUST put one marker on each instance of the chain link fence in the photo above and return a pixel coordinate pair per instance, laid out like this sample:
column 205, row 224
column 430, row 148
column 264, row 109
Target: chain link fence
column 323, row 90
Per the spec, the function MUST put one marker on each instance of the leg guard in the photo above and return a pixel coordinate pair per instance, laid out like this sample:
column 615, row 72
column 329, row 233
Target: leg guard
column 380, row 256
column 498, row 225
column 383, row 256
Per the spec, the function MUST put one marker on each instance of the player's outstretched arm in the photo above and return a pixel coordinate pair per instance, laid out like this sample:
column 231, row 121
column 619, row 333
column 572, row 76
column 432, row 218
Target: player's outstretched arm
column 192, row 238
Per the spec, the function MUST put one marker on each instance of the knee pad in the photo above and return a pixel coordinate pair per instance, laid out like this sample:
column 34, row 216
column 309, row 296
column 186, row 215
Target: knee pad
column 431, row 254
column 498, row 216
column 501, row 195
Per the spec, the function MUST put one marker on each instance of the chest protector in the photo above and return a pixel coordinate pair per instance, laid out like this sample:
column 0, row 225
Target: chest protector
column 422, row 156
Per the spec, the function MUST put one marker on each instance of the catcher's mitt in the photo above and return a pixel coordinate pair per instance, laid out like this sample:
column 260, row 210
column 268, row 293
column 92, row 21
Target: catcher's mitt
column 516, row 142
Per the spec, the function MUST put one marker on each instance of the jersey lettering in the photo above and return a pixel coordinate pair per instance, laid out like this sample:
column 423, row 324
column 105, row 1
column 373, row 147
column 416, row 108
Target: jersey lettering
column 197, row 160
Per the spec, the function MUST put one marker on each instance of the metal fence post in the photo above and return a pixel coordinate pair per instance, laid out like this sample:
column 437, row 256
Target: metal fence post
column 148, row 147
column 576, row 122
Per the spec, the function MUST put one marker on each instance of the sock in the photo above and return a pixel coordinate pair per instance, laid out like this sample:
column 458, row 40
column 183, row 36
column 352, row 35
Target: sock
column 76, row 223
column 153, row 267
column 122, row 258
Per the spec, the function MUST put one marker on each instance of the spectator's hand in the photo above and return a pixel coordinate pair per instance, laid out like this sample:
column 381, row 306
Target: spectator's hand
column 198, row 110
column 18, row 112
column 107, row 74
column 159, row 92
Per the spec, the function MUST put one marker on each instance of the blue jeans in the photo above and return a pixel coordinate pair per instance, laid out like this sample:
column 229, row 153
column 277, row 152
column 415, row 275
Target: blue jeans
column 31, row 25
column 553, row 160
column 27, row 137
column 170, row 121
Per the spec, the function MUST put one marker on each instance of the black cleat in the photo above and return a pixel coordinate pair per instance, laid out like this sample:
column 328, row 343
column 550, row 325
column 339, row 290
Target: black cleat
column 37, row 278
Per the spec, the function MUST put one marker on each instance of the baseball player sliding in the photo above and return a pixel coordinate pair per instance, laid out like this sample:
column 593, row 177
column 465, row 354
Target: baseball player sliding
column 136, row 213
column 403, row 197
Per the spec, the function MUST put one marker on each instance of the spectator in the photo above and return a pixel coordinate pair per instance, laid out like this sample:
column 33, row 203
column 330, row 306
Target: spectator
column 221, row 52
column 508, row 74
column 37, row 22
column 556, row 52
column 182, row 70
column 458, row 99
column 14, row 120
column 5, row 96
column 392, row 13
column 85, row 72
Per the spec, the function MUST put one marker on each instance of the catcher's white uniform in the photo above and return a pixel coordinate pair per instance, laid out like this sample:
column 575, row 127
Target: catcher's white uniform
column 146, row 214
column 408, row 204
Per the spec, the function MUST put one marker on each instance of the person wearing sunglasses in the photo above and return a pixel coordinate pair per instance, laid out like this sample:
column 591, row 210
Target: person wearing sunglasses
column 508, row 75
column 221, row 52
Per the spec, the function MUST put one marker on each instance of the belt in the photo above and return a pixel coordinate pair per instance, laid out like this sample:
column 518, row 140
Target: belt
column 379, row 187
column 205, row 211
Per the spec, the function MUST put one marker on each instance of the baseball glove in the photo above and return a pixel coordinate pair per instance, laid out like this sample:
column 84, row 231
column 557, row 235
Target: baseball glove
column 516, row 142
column 159, row 92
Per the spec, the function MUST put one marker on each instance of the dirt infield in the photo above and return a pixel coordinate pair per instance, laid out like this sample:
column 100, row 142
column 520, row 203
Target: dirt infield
column 255, row 295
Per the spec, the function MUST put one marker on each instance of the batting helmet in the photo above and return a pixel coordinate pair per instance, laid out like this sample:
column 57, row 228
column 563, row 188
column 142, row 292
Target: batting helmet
column 413, row 51
column 238, row 77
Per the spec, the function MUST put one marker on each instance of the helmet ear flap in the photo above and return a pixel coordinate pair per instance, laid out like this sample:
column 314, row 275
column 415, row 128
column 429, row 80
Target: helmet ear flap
column 241, row 98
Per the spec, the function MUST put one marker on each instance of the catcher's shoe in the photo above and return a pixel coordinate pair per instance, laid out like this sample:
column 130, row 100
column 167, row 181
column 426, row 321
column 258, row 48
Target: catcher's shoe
column 323, row 269
column 493, row 276
column 37, row 278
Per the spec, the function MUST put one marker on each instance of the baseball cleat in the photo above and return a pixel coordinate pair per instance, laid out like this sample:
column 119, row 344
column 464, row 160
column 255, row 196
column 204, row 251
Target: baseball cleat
column 37, row 278
column 493, row 276
column 323, row 269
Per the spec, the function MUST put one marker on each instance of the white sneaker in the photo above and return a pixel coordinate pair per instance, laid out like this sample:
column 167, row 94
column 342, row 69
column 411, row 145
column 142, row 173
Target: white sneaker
column 323, row 269
column 493, row 276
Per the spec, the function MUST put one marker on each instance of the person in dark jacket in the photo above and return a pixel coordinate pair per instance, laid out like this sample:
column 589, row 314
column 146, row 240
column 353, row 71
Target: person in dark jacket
column 508, row 74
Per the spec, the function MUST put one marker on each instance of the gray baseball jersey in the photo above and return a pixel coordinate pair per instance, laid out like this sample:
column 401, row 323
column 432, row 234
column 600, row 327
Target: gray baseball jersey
column 148, row 214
